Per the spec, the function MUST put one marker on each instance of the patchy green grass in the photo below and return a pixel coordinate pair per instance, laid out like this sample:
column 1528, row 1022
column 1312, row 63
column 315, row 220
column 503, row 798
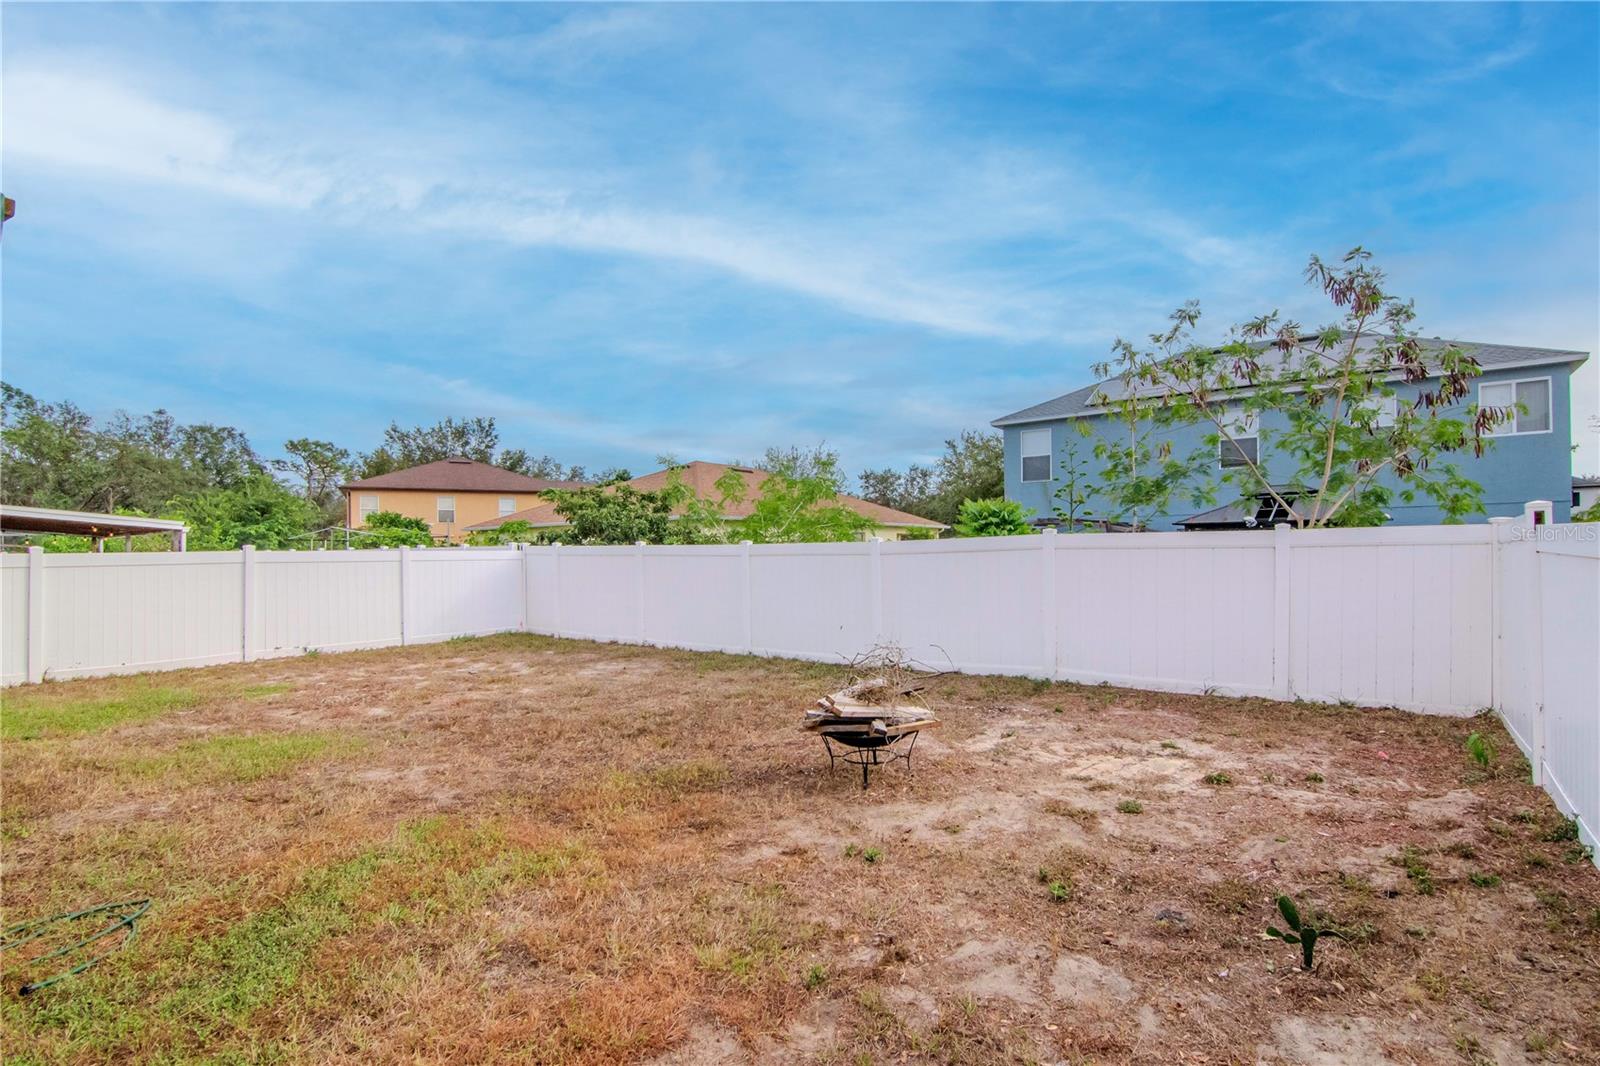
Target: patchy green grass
column 200, row 984
column 241, row 758
column 43, row 713
column 270, row 688
column 1130, row 807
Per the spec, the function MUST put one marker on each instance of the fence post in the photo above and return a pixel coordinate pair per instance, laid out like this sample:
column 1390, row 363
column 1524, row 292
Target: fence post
column 1282, row 612
column 638, row 588
column 1048, row 603
column 35, row 614
column 247, row 602
column 405, row 595
column 555, row 588
column 1537, row 513
column 744, row 590
column 1498, row 531
column 522, row 572
column 875, row 575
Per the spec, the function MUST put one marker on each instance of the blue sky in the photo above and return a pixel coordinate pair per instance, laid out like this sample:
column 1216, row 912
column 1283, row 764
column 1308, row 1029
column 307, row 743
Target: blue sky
column 702, row 230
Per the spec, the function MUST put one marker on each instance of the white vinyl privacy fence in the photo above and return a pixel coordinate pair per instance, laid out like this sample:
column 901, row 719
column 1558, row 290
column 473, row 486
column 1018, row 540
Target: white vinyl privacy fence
column 1441, row 619
column 74, row 615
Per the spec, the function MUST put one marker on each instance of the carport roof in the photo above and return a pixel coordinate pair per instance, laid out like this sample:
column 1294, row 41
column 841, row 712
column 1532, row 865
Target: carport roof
column 17, row 519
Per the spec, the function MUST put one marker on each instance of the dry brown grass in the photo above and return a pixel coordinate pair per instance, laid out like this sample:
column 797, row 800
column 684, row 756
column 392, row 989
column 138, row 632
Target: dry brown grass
column 526, row 850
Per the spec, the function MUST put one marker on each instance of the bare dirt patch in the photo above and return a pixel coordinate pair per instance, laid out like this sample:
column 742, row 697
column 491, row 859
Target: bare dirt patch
column 549, row 851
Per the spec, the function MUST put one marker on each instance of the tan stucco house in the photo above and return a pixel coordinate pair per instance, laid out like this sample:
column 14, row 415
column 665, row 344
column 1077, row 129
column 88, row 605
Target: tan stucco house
column 449, row 495
column 701, row 478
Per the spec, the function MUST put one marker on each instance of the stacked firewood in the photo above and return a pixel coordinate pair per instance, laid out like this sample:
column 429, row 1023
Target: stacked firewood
column 873, row 706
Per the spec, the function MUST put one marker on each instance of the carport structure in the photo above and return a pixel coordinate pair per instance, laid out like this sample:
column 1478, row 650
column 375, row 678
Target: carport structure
column 16, row 520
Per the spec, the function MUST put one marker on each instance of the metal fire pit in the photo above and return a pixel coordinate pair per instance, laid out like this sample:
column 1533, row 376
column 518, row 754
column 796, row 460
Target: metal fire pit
column 867, row 750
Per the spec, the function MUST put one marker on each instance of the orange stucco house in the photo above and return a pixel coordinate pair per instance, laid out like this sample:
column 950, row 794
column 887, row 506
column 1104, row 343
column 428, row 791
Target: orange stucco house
column 449, row 495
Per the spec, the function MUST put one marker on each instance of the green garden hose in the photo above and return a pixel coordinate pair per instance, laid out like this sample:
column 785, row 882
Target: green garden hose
column 123, row 915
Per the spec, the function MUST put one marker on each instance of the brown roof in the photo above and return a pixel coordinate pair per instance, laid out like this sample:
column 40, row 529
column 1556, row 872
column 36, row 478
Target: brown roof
column 701, row 478
column 459, row 475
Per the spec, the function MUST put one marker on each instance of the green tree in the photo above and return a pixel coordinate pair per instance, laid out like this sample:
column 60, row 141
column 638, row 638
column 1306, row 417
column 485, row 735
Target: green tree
column 388, row 529
column 798, row 503
column 992, row 518
column 1336, row 417
column 519, row 461
column 1077, row 489
column 50, row 451
column 913, row 491
column 803, row 464
column 971, row 468
column 258, row 510
column 318, row 465
column 620, row 514
column 516, row 531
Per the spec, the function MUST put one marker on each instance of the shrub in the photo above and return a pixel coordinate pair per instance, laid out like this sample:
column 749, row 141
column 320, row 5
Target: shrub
column 992, row 518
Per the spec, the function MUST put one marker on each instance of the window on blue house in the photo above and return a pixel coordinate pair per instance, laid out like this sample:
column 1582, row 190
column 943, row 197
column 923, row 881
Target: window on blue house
column 1036, row 455
column 1526, row 403
column 1241, row 450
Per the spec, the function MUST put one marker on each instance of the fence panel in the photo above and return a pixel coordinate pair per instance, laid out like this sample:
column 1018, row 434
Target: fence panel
column 1174, row 611
column 452, row 592
column 1569, row 580
column 327, row 601
column 811, row 601
column 138, row 611
column 13, row 619
column 694, row 597
column 976, row 606
column 1396, row 618
column 603, row 594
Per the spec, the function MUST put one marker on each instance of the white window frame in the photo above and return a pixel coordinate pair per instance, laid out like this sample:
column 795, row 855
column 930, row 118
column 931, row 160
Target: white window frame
column 367, row 506
column 1241, row 425
column 1025, row 455
column 1509, row 429
column 439, row 510
column 507, row 506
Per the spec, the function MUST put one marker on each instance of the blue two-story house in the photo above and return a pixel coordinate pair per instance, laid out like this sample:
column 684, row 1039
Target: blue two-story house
column 1528, row 458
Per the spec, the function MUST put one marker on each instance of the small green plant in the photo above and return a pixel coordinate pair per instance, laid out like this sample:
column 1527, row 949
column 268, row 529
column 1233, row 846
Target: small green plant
column 1302, row 933
column 852, row 850
column 1480, row 749
column 1058, row 885
column 1169, row 745
column 815, row 977
column 1221, row 777
column 1130, row 807
column 1483, row 880
column 872, row 855
column 1417, row 870
column 1314, row 779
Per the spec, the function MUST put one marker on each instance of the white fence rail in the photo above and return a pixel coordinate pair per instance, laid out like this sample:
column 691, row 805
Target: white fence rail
column 1442, row 619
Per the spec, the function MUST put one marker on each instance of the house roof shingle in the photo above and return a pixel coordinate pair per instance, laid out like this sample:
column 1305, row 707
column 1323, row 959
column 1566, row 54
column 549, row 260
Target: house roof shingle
column 459, row 475
column 1489, row 357
column 701, row 479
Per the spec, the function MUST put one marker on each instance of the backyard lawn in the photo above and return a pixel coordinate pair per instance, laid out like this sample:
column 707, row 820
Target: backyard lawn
column 519, row 849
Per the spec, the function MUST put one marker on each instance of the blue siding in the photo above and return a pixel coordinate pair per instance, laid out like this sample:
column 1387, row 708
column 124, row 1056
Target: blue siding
column 1512, row 471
